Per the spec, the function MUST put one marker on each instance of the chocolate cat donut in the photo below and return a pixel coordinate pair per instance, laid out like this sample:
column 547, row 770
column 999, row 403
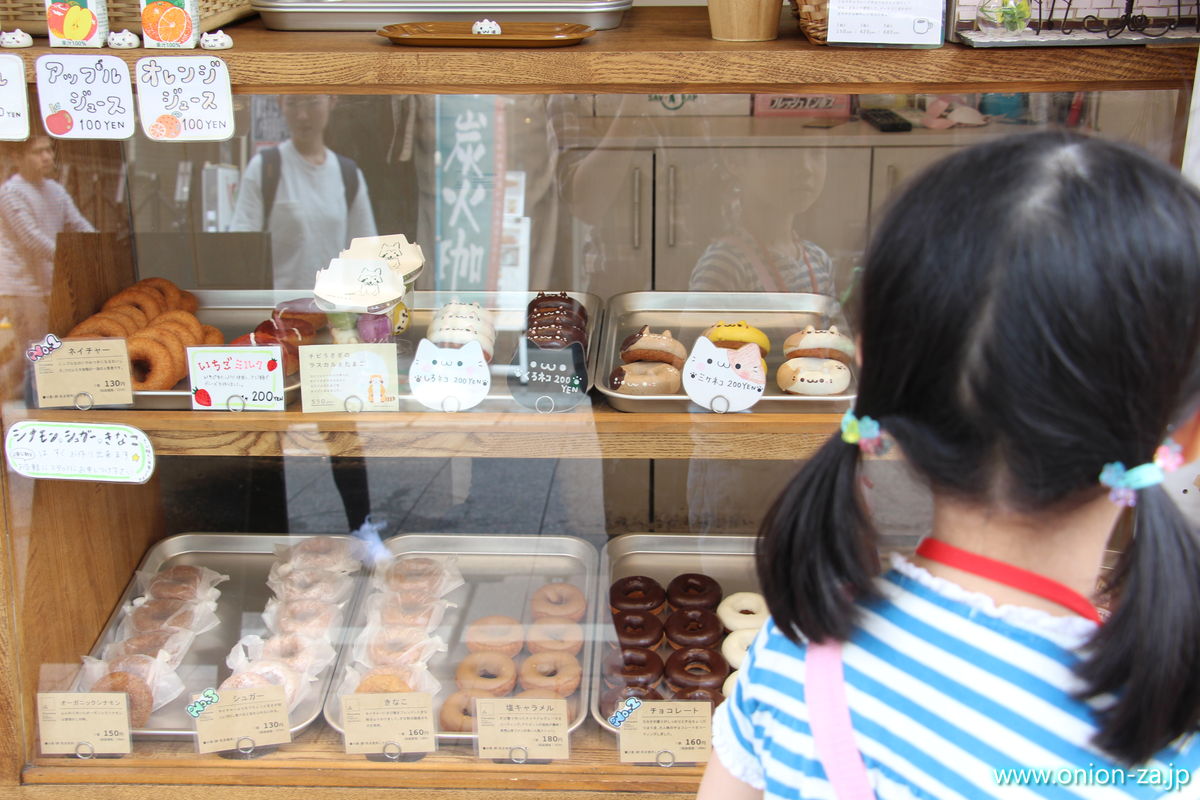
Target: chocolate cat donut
column 812, row 343
column 556, row 316
column 646, row 345
column 638, row 629
column 632, row 666
column 560, row 300
column 645, row 378
column 693, row 627
column 550, row 336
column 695, row 668
column 693, row 590
column 637, row 593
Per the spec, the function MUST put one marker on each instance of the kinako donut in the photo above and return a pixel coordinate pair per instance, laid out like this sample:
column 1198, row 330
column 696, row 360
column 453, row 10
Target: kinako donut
column 147, row 300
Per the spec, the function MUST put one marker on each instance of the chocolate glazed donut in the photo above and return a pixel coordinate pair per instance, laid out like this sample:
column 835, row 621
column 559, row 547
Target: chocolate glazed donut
column 637, row 593
column 696, row 668
column 693, row 590
column 694, row 627
column 711, row 695
column 632, row 666
column 638, row 629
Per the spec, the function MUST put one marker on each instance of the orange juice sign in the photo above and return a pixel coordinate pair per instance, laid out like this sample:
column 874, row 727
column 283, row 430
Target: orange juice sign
column 85, row 96
column 184, row 98
column 236, row 378
column 77, row 23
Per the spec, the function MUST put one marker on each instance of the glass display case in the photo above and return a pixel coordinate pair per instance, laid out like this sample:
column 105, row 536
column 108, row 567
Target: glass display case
column 651, row 175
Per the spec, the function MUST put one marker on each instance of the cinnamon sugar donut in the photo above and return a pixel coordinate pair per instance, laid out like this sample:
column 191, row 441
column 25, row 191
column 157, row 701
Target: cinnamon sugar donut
column 141, row 698
column 174, row 641
column 495, row 634
column 385, row 680
column 493, row 673
column 558, row 599
column 555, row 634
column 458, row 711
column 155, row 614
column 559, row 672
column 148, row 301
column 152, row 367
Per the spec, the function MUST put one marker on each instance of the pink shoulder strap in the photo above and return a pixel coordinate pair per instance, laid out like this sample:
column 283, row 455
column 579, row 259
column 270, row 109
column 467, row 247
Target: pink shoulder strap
column 829, row 717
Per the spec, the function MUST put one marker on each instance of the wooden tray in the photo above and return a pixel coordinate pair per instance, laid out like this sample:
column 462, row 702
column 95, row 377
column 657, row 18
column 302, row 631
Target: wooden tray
column 515, row 34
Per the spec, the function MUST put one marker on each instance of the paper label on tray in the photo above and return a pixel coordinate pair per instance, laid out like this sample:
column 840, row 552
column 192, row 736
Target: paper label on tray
column 548, row 380
column 85, row 97
column 447, row 378
column 184, row 98
column 898, row 22
column 14, row 102
column 77, row 451
column 349, row 377
column 522, row 730
column 236, row 378
column 243, row 719
column 667, row 732
column 84, row 373
column 390, row 723
column 724, row 380
column 83, row 723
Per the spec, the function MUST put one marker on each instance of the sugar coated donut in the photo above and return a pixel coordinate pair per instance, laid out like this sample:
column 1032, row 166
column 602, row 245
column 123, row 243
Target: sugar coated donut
column 495, row 634
column 645, row 345
column 555, row 635
column 312, row 584
column 735, row 334
column 730, row 682
column 813, row 376
column 145, row 298
column 736, row 644
column 695, row 668
column 141, row 698
column 632, row 666
column 399, row 611
column 385, row 680
column 638, row 629
column 293, row 649
column 693, row 627
column 265, row 673
column 813, row 343
column 612, row 700
column 394, row 646
column 557, row 671
column 637, row 593
column 458, row 711
column 645, row 378
column 743, row 610
column 693, row 590
column 559, row 599
column 493, row 673
column 151, row 364
column 307, row 617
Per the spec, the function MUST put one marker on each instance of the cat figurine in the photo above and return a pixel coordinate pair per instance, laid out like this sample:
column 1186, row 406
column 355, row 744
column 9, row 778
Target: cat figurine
column 17, row 38
column 449, row 378
column 724, row 380
column 371, row 278
column 217, row 40
column 123, row 40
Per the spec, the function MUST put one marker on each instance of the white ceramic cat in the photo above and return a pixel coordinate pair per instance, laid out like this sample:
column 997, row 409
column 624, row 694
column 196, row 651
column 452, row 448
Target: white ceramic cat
column 125, row 40
column 724, row 380
column 447, row 378
column 217, row 40
column 17, row 38
column 486, row 27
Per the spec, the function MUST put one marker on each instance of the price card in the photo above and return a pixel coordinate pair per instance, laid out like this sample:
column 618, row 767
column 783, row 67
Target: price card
column 895, row 22
column 521, row 730
column 82, row 373
column 184, row 98
column 449, row 379
column 548, row 380
column 84, row 723
column 243, row 719
column 14, row 102
column 85, row 96
column 667, row 732
column 79, row 452
column 388, row 723
column 236, row 378
column 349, row 377
column 724, row 380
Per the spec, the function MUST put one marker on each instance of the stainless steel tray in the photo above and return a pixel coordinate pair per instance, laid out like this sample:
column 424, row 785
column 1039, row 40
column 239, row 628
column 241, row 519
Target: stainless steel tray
column 246, row 558
column 688, row 314
column 369, row 15
column 727, row 559
column 500, row 573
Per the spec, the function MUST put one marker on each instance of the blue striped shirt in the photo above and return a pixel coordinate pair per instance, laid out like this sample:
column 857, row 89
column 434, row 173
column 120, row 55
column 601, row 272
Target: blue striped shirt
column 948, row 699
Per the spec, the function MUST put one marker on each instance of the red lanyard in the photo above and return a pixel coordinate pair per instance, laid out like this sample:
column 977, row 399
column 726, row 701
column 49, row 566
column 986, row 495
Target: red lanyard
column 1007, row 574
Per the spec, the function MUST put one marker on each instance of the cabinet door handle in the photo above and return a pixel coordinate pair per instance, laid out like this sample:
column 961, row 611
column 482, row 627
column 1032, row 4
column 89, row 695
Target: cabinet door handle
column 893, row 177
column 671, row 206
column 637, row 207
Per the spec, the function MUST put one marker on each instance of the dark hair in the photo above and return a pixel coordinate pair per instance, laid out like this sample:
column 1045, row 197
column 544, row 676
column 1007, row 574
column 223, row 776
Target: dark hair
column 1028, row 313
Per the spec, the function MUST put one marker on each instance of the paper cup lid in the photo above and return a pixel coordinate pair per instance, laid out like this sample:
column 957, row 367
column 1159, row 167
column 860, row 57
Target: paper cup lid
column 361, row 285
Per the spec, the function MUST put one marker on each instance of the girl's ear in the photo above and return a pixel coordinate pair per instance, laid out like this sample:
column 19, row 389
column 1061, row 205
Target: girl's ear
column 1187, row 436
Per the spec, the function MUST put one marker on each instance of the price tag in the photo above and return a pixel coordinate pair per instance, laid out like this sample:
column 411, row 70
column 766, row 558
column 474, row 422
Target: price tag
column 236, row 378
column 14, row 102
column 521, row 730
column 85, row 96
column 83, row 373
column 548, row 380
column 79, row 452
column 388, row 723
column 724, row 380
column 84, row 723
column 349, row 377
column 667, row 732
column 243, row 719
column 896, row 22
column 449, row 379
column 184, row 98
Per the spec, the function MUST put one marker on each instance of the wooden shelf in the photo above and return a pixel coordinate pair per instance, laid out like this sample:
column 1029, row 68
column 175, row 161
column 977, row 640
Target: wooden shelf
column 669, row 49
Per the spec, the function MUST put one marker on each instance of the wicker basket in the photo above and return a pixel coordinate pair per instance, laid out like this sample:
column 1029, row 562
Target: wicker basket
column 30, row 15
column 812, row 16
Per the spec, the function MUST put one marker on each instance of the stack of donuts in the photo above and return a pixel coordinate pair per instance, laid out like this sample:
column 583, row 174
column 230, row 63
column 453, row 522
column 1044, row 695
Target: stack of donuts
column 551, row 669
column 157, row 319
column 651, row 364
column 700, row 627
column 457, row 324
column 818, row 362
column 556, row 321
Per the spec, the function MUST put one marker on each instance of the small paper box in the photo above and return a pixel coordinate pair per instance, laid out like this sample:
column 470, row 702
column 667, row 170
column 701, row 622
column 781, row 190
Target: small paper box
column 77, row 23
column 170, row 24
column 836, row 106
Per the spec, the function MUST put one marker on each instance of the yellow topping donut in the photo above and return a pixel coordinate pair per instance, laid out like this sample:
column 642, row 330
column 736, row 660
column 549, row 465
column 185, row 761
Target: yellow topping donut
column 737, row 333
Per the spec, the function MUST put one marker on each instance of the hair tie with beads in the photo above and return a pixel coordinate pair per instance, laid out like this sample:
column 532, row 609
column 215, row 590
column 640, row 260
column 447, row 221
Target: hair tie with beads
column 864, row 432
column 1124, row 483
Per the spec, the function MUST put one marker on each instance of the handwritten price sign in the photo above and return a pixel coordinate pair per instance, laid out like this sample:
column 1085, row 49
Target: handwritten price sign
column 14, row 102
column 185, row 98
column 85, row 97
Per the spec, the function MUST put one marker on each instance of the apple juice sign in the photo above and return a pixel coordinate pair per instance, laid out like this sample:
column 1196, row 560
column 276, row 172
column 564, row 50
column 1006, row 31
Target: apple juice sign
column 85, row 97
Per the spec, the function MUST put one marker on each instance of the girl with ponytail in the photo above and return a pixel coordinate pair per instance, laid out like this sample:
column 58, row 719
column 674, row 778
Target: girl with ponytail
column 1030, row 346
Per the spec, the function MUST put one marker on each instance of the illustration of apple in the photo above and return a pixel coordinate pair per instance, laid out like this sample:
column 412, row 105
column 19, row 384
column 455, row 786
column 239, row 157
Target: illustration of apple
column 203, row 398
column 56, row 14
column 79, row 23
column 60, row 122
column 271, row 365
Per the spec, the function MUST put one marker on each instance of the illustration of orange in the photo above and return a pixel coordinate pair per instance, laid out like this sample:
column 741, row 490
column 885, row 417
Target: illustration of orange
column 156, row 131
column 174, row 26
column 171, row 125
column 150, row 16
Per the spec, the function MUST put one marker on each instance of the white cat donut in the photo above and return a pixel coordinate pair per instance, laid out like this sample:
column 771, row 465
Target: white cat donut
column 217, row 40
column 123, row 40
column 17, row 38
column 813, row 376
column 449, row 378
column 736, row 644
column 724, row 380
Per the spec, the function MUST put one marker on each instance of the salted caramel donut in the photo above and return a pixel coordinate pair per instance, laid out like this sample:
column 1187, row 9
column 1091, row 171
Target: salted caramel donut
column 151, row 365
column 637, row 593
column 813, row 343
column 187, row 320
column 394, row 646
column 743, row 610
column 385, row 680
column 813, row 376
column 632, row 666
column 645, row 378
column 104, row 325
column 638, row 629
column 555, row 635
column 172, row 296
column 141, row 698
column 148, row 300
column 697, row 693
column 495, row 634
column 458, row 711
column 559, row 599
column 557, row 671
column 645, row 345
column 693, row 627
column 613, row 700
column 490, row 672
column 307, row 617
column 693, row 590
column 265, row 673
column 212, row 336
column 695, row 668
column 736, row 645
column 155, row 614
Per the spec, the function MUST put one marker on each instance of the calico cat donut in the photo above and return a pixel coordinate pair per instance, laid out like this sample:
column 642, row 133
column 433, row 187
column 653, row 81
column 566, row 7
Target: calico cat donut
column 813, row 343
column 645, row 345
column 813, row 376
column 645, row 378
column 733, row 335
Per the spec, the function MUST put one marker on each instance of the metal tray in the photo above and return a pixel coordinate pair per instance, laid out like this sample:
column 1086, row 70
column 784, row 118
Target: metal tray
column 370, row 15
column 500, row 572
column 727, row 559
column 688, row 314
column 246, row 558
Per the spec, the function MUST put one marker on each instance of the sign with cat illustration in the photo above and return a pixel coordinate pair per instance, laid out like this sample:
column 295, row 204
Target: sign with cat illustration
column 724, row 380
column 449, row 378
column 549, row 380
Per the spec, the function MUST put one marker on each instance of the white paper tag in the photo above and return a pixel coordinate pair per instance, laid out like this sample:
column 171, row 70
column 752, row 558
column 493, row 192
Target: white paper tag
column 449, row 379
column 349, row 377
column 14, row 101
column 724, row 380
column 901, row 22
column 236, row 378
column 184, row 98
column 85, row 96
column 79, row 452
column 84, row 724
